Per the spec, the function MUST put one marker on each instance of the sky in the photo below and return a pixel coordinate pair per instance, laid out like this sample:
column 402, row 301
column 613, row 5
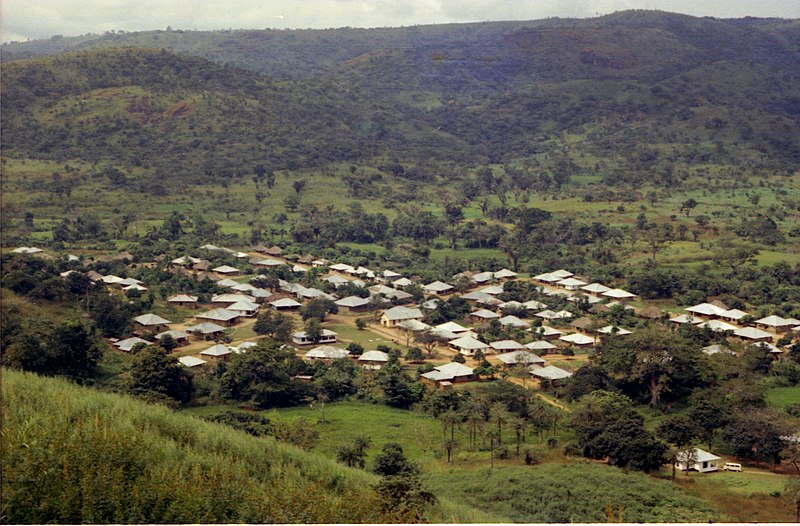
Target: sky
column 34, row 19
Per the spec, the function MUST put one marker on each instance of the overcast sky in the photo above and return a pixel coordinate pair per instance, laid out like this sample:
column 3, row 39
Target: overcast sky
column 32, row 19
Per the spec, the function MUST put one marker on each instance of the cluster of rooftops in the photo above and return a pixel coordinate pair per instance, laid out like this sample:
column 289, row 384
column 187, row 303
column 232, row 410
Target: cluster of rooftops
column 245, row 300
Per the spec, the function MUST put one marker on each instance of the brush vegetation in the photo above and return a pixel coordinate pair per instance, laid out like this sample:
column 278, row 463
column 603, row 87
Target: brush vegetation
column 74, row 455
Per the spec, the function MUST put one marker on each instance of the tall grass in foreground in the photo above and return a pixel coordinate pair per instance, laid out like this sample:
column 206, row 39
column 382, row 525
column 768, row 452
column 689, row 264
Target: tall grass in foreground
column 73, row 455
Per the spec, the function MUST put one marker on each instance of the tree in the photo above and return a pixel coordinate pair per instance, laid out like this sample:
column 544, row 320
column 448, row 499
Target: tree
column 688, row 206
column 757, row 434
column 680, row 431
column 168, row 343
column 354, row 455
column 265, row 376
column 734, row 255
column 361, row 323
column 414, row 355
column 356, row 349
column 299, row 185
column 154, row 372
column 654, row 359
column 398, row 391
column 499, row 416
column 608, row 426
column 587, row 379
column 318, row 308
column 392, row 461
column 792, row 492
column 428, row 339
column 450, row 420
column 403, row 498
column 313, row 329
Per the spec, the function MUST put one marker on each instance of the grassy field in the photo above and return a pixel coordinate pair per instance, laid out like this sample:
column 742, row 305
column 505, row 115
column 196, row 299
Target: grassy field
column 577, row 492
column 783, row 396
column 73, row 455
column 418, row 434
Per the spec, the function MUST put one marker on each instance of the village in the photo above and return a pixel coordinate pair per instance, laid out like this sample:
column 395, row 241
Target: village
column 537, row 343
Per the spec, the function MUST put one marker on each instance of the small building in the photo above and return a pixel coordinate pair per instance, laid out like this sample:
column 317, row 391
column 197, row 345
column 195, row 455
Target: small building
column 570, row 283
column 218, row 352
column 505, row 346
column 482, row 277
column 707, row 310
column 413, row 326
column 686, row 318
column 342, row 267
column 285, row 304
column 402, row 283
column 128, row 344
column 733, row 315
column 302, row 338
column 223, row 300
column 578, row 340
column 718, row 326
column 453, row 327
column 505, row 274
column 336, row 281
column 483, row 315
column 268, row 263
column 618, row 294
column 247, row 309
column 651, row 313
column 353, row 304
column 151, row 321
column 226, row 270
column 595, row 288
column 752, row 334
column 613, row 330
column 583, row 324
column 191, row 361
column 221, row 316
column 699, row 460
column 548, row 333
column 513, row 321
column 183, row 300
column 776, row 323
column 327, row 353
column 562, row 274
column 395, row 315
column 206, row 330
column 373, row 360
column 478, row 295
column 540, row 346
column 180, row 337
column 449, row 373
column 551, row 373
column 467, row 345
column 511, row 359
column 227, row 282
column 438, row 287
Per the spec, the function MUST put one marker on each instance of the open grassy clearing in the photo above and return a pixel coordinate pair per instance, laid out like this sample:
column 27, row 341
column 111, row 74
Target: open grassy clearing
column 783, row 396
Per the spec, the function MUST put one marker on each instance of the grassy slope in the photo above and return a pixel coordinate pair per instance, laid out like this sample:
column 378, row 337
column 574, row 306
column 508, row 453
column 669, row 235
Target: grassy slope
column 560, row 489
column 75, row 455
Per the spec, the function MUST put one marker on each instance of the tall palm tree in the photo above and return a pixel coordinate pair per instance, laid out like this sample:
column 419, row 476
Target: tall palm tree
column 499, row 415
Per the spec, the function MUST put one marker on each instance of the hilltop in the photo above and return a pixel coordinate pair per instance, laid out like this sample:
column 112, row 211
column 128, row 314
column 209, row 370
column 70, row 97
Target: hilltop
column 635, row 93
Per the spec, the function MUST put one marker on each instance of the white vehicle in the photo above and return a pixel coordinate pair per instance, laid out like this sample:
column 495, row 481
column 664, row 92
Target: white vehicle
column 732, row 466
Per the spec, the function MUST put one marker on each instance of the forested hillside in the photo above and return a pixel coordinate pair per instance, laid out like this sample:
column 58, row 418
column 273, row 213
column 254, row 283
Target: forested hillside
column 630, row 97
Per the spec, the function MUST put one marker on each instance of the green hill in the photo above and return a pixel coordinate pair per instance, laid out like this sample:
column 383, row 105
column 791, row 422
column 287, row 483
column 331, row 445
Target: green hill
column 644, row 92
column 74, row 455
